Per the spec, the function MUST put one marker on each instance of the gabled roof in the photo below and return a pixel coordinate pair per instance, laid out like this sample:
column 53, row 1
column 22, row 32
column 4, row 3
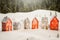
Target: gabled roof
column 35, row 19
column 5, row 19
column 26, row 20
column 55, row 18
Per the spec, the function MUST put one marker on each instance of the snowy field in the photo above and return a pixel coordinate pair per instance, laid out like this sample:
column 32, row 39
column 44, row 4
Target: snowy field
column 29, row 34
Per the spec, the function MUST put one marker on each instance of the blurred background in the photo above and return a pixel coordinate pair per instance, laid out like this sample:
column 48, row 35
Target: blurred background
column 9, row 6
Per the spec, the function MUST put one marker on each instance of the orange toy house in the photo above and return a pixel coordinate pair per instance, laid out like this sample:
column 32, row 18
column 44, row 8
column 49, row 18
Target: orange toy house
column 6, row 24
column 35, row 23
column 54, row 23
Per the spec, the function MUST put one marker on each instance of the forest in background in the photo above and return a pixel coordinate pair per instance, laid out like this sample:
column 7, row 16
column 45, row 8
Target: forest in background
column 7, row 6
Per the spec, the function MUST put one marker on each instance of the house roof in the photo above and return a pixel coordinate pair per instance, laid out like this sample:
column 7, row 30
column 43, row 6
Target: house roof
column 55, row 18
column 26, row 20
column 35, row 19
column 5, row 19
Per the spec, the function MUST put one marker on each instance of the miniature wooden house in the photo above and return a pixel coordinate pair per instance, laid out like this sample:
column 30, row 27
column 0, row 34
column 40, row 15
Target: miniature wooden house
column 6, row 24
column 26, row 24
column 54, row 23
column 44, row 23
column 35, row 23
column 16, row 26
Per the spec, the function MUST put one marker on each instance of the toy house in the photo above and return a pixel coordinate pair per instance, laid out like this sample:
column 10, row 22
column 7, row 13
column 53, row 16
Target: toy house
column 54, row 23
column 16, row 25
column 44, row 23
column 35, row 23
column 6, row 24
column 26, row 24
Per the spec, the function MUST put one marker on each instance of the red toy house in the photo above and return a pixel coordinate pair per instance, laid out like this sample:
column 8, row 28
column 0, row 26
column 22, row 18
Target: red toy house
column 6, row 24
column 35, row 23
column 54, row 23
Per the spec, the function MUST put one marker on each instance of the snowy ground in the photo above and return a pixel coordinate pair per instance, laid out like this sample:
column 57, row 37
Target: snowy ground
column 29, row 35
column 37, row 34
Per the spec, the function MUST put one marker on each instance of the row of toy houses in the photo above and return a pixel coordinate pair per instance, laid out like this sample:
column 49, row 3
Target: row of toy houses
column 8, row 25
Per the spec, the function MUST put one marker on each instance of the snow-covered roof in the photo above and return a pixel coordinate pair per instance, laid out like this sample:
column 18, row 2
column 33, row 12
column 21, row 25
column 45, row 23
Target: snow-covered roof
column 5, row 19
column 26, row 20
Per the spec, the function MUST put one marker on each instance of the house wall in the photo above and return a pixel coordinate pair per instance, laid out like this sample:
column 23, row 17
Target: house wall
column 3, row 26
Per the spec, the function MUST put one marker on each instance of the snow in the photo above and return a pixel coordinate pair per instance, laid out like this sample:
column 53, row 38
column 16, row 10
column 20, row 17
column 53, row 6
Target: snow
column 29, row 34
column 37, row 34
